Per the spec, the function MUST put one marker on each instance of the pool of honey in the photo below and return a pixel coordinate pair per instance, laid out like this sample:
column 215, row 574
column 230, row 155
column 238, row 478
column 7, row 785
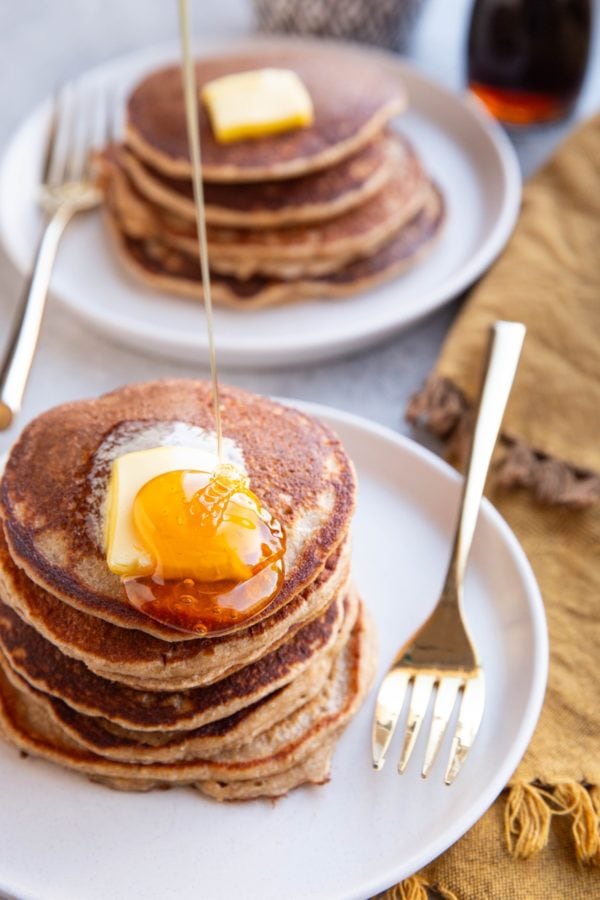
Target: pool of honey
column 217, row 552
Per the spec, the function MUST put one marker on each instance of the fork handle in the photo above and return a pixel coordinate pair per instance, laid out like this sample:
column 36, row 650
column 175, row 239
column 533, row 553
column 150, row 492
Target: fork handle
column 23, row 341
column 504, row 350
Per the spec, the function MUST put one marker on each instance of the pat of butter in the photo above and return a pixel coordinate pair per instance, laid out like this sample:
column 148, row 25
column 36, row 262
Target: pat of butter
column 257, row 103
column 125, row 554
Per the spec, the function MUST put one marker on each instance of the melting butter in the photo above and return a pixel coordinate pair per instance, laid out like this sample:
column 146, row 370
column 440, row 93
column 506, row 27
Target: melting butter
column 126, row 554
column 257, row 103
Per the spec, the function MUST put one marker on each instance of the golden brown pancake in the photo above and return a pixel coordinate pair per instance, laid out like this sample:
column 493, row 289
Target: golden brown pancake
column 296, row 466
column 311, row 248
column 111, row 740
column 148, row 663
column 166, row 269
column 353, row 100
column 314, row 770
column 358, row 232
column 94, row 685
column 28, row 719
column 313, row 197
column 108, row 738
column 45, row 668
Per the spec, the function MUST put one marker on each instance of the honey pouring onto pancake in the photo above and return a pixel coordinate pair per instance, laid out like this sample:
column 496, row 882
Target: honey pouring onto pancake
column 195, row 547
column 216, row 553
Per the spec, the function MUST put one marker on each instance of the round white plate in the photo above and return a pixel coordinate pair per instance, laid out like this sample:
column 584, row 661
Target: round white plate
column 63, row 838
column 464, row 149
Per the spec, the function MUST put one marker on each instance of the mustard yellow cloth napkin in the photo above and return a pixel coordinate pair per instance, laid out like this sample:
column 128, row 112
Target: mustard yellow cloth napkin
column 541, row 839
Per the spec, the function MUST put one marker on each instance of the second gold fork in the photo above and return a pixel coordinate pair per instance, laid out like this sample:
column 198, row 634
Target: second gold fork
column 68, row 186
column 441, row 657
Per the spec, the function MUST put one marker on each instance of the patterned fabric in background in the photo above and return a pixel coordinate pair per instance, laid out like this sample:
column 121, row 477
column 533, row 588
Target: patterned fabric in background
column 387, row 23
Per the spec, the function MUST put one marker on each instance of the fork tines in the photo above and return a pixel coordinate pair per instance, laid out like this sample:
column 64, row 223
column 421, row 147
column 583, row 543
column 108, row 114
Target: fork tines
column 83, row 118
column 447, row 685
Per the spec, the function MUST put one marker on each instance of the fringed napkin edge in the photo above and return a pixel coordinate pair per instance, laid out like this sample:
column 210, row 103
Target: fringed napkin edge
column 529, row 810
column 443, row 409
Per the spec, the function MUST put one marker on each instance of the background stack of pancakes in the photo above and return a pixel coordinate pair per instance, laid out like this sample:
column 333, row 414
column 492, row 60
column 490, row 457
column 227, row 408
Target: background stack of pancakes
column 91, row 683
column 322, row 211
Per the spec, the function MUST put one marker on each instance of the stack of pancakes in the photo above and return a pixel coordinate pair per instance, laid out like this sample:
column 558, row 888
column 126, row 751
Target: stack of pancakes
column 323, row 211
column 95, row 685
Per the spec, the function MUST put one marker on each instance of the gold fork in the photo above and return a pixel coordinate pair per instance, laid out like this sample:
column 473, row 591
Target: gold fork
column 441, row 654
column 68, row 186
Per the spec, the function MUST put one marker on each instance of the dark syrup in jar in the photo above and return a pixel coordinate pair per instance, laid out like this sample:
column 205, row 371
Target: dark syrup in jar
column 526, row 59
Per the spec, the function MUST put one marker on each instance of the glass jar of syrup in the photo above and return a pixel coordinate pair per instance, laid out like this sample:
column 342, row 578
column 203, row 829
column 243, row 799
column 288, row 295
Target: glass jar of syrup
column 526, row 59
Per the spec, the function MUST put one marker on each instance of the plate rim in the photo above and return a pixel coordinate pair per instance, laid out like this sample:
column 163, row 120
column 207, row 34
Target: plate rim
column 540, row 656
column 311, row 346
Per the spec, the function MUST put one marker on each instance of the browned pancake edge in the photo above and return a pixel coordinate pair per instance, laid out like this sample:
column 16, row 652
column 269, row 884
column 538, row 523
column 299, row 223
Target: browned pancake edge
column 26, row 720
column 170, row 271
column 350, row 110
column 45, row 668
column 45, row 491
column 143, row 661
column 313, row 197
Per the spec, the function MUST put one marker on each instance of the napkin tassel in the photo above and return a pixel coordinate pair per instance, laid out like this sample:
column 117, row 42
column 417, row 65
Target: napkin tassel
column 417, row 888
column 529, row 811
column 442, row 409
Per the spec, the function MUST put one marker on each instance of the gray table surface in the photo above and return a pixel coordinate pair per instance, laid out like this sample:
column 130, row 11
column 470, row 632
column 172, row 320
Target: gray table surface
column 42, row 44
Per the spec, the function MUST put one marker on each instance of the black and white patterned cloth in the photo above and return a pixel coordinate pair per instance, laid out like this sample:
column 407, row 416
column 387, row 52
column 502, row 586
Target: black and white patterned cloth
column 387, row 23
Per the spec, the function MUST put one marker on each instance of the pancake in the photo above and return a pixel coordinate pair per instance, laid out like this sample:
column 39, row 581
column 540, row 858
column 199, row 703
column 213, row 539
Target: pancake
column 49, row 500
column 47, row 669
column 357, row 232
column 92, row 684
column 313, row 770
column 313, row 197
column 148, row 663
column 312, row 248
column 353, row 99
column 28, row 720
column 110, row 740
column 167, row 269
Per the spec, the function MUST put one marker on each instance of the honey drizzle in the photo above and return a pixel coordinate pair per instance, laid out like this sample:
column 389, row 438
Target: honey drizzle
column 190, row 88
column 210, row 596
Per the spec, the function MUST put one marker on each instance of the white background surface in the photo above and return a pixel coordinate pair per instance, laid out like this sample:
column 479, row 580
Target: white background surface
column 63, row 838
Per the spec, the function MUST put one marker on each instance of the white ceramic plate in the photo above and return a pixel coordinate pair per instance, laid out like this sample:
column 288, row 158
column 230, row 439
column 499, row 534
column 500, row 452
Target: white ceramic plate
column 63, row 838
column 466, row 152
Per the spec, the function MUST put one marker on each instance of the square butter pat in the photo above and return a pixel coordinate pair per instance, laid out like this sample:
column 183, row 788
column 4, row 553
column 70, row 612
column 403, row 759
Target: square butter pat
column 257, row 103
column 124, row 553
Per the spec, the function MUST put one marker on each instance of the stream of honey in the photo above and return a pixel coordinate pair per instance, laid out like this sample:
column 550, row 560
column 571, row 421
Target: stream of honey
column 190, row 88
